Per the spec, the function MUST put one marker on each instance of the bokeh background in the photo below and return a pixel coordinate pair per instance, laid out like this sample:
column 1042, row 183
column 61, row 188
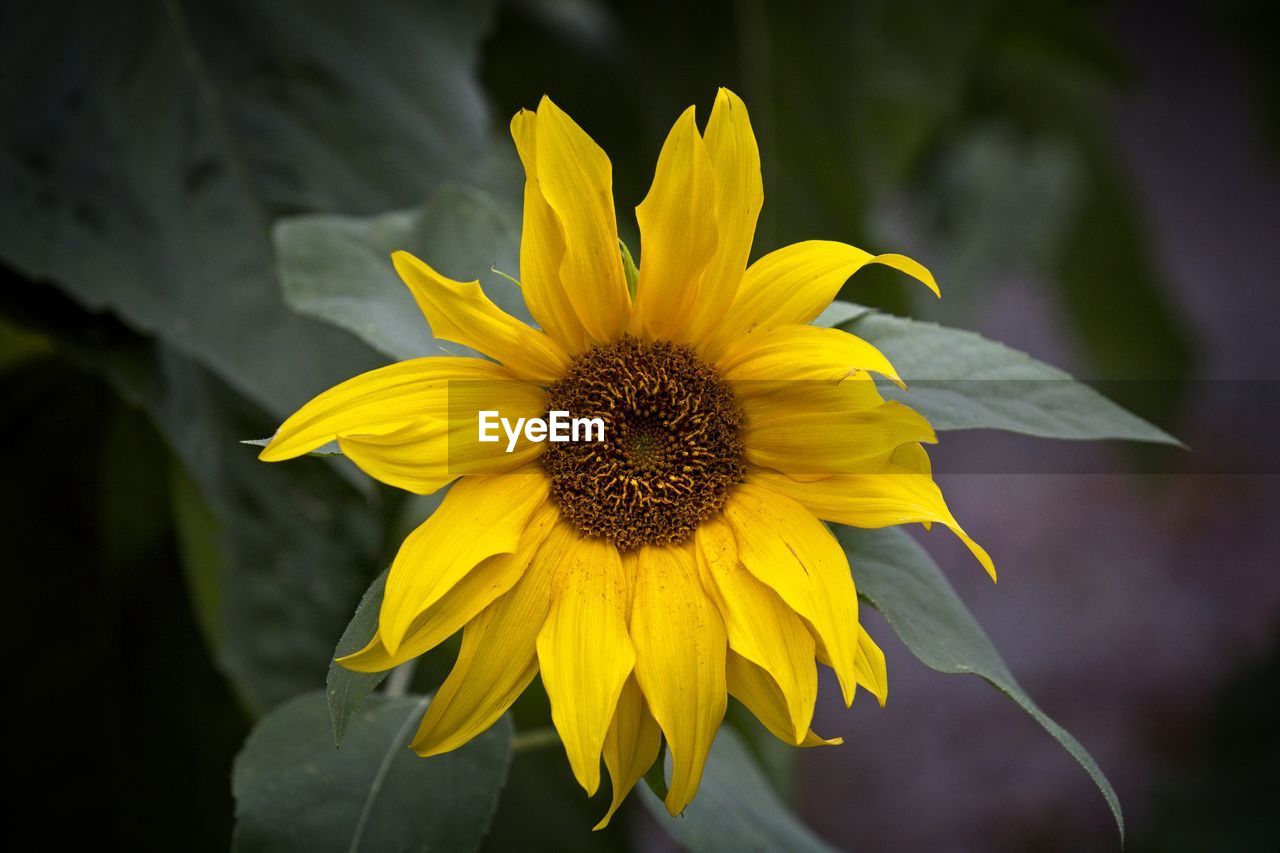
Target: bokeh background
column 1094, row 183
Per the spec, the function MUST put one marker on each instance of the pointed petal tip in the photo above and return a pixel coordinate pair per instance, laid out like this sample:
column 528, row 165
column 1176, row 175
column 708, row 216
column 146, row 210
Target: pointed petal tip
column 849, row 692
column 354, row 662
column 674, row 804
column 425, row 747
column 588, row 781
column 979, row 553
column 727, row 96
column 911, row 267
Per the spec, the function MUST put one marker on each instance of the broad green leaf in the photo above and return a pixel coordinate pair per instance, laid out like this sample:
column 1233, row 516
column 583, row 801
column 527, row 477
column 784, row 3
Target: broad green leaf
column 285, row 549
column 961, row 380
column 735, row 810
column 901, row 580
column 338, row 268
column 294, row 542
column 295, row 791
column 840, row 312
column 197, row 532
column 18, row 346
column 330, row 449
column 346, row 690
column 148, row 150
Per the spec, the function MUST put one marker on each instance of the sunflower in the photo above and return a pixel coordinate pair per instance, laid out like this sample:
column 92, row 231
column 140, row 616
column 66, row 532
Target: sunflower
column 684, row 558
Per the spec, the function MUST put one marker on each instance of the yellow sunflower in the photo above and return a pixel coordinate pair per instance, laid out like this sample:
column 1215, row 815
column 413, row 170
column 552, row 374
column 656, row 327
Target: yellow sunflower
column 684, row 558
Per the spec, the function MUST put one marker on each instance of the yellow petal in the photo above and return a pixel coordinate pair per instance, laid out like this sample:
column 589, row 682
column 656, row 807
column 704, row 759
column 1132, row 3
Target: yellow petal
column 376, row 403
column 476, row 591
column 897, row 495
column 786, row 547
column 498, row 657
column 802, row 353
column 871, row 671
column 542, row 248
column 631, row 746
column 680, row 644
column 575, row 181
column 479, row 517
column 403, row 423
column 761, row 627
column 735, row 158
column 869, row 667
column 794, row 284
column 753, row 687
column 432, row 452
column 460, row 312
column 584, row 652
column 808, row 429
column 912, row 457
column 677, row 232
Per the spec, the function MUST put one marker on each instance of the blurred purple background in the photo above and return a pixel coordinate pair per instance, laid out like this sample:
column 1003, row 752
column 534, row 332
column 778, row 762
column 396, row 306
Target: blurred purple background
column 1127, row 603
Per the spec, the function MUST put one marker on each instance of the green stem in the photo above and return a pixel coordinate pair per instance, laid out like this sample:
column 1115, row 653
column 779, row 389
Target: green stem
column 534, row 739
column 398, row 680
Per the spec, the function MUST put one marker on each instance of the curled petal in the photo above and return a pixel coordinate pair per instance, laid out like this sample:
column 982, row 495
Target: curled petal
column 460, row 312
column 791, row 286
column 584, row 652
column 761, row 628
column 680, row 644
column 815, row 429
column 791, row 551
column 677, row 232
column 894, row 495
column 479, row 518
column 754, row 687
column 498, row 657
column 412, row 424
column 476, row 591
column 571, row 269
column 631, row 746
column 802, row 353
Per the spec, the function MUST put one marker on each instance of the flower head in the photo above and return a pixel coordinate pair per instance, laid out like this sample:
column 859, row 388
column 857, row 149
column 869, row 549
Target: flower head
column 683, row 558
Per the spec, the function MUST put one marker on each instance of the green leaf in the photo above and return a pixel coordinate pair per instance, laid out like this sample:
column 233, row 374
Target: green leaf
column 338, row 268
column 19, row 346
column 330, row 449
column 147, row 154
column 294, row 542
column 735, row 810
column 294, row 791
column 961, row 380
column 346, row 690
column 629, row 268
column 901, row 580
column 282, row 551
column 656, row 776
column 197, row 533
column 840, row 312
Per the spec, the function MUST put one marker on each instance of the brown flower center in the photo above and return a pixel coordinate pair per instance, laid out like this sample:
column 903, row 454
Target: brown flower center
column 671, row 448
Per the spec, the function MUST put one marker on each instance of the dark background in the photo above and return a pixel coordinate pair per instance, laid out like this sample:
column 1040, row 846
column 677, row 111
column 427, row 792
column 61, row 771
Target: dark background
column 1095, row 184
